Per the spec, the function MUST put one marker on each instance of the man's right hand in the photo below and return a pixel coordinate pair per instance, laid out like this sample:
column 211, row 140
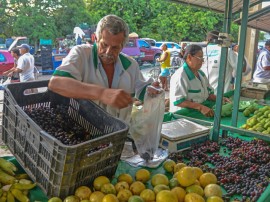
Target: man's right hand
column 117, row 98
column 206, row 111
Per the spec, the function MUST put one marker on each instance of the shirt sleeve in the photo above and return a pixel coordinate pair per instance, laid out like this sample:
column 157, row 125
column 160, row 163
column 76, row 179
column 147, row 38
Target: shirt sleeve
column 266, row 60
column 72, row 65
column 141, row 84
column 180, row 91
column 21, row 63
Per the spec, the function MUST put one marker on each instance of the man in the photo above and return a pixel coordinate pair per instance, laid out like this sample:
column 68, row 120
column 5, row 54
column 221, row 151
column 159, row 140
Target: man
column 25, row 65
column 262, row 71
column 101, row 73
column 212, row 54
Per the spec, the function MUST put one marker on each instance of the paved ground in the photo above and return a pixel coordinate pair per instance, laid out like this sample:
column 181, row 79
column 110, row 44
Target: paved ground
column 3, row 149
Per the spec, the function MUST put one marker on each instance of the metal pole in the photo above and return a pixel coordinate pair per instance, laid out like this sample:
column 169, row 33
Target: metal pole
column 241, row 53
column 222, row 69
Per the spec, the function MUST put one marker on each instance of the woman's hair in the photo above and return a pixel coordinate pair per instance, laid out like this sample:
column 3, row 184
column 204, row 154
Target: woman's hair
column 114, row 25
column 192, row 50
column 16, row 51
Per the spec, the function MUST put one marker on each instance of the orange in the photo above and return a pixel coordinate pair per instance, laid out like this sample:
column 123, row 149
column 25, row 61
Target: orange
column 166, row 196
column 108, row 189
column 121, row 185
column 110, row 198
column 148, row 195
column 168, row 165
column 99, row 181
column 125, row 177
column 186, row 176
column 207, row 178
column 159, row 179
column 96, row 196
column 193, row 197
column 178, row 167
column 137, row 187
column 123, row 195
column 83, row 192
column 214, row 199
column 180, row 193
column 198, row 172
column 142, row 175
column 212, row 190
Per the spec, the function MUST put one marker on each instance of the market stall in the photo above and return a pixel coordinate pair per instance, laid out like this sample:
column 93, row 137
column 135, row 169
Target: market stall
column 58, row 169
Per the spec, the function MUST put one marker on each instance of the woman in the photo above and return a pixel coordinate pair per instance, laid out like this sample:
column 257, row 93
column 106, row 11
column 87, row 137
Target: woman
column 189, row 85
column 15, row 52
column 165, row 61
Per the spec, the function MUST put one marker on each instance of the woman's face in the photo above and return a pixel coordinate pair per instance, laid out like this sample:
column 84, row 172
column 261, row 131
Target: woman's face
column 196, row 61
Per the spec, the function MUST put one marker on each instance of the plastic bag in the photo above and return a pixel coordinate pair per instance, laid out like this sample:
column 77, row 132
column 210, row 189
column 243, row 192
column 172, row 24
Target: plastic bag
column 146, row 123
column 4, row 83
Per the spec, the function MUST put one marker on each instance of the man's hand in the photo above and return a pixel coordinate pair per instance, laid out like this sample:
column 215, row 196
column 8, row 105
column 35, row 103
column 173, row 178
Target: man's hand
column 10, row 74
column 117, row 98
column 206, row 111
column 154, row 89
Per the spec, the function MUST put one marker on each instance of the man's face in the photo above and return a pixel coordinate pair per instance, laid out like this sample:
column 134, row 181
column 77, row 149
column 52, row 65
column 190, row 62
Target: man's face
column 267, row 47
column 109, row 46
column 22, row 51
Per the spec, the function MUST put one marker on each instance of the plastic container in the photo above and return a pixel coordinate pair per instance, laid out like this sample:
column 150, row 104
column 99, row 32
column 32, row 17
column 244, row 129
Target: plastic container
column 59, row 169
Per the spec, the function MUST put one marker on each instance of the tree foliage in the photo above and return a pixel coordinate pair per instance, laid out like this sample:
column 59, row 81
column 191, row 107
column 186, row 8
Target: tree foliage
column 158, row 19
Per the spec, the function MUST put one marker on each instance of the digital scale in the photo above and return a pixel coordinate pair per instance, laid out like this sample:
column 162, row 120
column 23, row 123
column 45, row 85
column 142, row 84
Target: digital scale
column 181, row 134
column 257, row 89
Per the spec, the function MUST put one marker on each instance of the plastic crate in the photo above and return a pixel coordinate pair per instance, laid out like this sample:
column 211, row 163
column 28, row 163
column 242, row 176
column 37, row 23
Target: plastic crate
column 59, row 169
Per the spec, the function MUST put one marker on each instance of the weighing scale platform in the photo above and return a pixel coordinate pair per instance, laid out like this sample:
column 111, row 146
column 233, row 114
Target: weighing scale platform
column 257, row 89
column 181, row 134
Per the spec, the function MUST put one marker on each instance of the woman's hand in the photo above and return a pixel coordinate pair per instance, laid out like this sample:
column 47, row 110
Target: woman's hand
column 206, row 111
column 226, row 100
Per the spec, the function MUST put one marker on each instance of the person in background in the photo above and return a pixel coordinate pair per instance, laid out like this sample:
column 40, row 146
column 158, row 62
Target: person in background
column 15, row 52
column 212, row 53
column 183, row 48
column 25, row 65
column 101, row 73
column 165, row 61
column 235, row 48
column 189, row 85
column 262, row 71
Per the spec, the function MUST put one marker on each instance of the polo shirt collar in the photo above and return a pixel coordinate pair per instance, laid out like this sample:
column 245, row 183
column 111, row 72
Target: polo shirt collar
column 188, row 71
column 126, row 63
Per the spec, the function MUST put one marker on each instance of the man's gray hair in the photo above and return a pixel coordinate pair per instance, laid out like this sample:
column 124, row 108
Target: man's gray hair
column 114, row 25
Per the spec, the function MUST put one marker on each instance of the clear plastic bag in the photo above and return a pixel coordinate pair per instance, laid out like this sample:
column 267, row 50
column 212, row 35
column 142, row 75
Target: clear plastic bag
column 146, row 122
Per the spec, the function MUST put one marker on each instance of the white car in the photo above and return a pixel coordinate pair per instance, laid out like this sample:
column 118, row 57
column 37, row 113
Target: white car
column 172, row 46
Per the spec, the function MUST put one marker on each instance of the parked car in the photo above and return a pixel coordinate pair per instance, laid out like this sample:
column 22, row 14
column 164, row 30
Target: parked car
column 132, row 49
column 141, row 51
column 6, row 62
column 151, row 53
column 152, row 42
column 176, row 48
column 3, row 47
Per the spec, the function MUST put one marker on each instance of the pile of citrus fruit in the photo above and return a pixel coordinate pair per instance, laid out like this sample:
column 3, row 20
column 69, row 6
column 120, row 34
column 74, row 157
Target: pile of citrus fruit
column 188, row 184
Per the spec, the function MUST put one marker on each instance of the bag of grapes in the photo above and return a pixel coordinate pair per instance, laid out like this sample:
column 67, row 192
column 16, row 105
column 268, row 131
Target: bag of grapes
column 146, row 123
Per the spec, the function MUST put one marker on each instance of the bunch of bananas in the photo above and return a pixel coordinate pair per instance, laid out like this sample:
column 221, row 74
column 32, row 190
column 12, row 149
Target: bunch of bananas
column 13, row 186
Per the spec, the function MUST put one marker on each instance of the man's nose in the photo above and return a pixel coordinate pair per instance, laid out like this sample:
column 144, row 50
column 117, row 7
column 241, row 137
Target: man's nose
column 108, row 50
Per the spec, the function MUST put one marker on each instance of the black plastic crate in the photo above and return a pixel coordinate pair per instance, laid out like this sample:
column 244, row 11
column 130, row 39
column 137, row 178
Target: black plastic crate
column 57, row 168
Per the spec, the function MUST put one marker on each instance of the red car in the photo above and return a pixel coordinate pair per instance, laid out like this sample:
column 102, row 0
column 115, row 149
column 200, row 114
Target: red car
column 6, row 61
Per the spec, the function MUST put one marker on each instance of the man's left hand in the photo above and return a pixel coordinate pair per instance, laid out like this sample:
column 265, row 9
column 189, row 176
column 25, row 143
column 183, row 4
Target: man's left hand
column 154, row 89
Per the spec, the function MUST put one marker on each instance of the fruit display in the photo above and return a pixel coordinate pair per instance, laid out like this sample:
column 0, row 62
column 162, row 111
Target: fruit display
column 260, row 121
column 158, row 187
column 56, row 121
column 242, row 168
column 13, row 186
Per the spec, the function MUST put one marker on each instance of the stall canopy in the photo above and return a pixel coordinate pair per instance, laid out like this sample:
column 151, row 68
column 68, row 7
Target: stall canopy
column 259, row 20
column 217, row 5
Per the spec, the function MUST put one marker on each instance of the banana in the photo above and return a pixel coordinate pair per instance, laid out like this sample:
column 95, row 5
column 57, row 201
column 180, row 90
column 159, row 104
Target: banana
column 10, row 197
column 23, row 186
column 6, row 178
column 7, row 166
column 3, row 198
column 19, row 195
column 21, row 176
